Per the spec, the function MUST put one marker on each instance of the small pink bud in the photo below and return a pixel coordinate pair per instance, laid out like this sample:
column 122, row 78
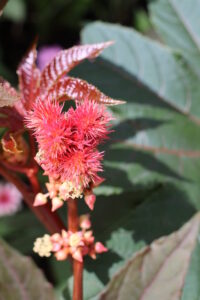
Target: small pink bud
column 90, row 200
column 56, row 237
column 57, row 242
column 65, row 238
column 51, row 187
column 85, row 222
column 89, row 238
column 56, row 247
column 100, row 248
column 92, row 254
column 78, row 255
column 61, row 254
column 40, row 199
column 56, row 203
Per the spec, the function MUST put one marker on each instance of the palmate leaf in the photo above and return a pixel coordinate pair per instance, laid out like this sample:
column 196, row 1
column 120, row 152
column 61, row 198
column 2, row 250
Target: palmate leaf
column 52, row 85
column 29, row 78
column 157, row 271
column 70, row 88
column 161, row 69
column 165, row 129
column 177, row 23
column 20, row 279
column 125, row 225
column 157, row 139
column 66, row 60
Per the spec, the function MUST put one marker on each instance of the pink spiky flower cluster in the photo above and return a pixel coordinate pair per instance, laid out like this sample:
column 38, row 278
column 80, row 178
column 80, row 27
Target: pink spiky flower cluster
column 77, row 244
column 68, row 146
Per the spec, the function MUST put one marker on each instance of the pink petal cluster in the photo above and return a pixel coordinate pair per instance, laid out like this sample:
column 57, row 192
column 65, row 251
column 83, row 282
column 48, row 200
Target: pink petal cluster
column 10, row 199
column 77, row 244
column 68, row 140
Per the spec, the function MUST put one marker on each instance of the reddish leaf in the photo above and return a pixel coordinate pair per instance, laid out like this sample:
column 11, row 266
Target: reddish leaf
column 8, row 95
column 66, row 60
column 158, row 271
column 11, row 118
column 77, row 89
column 29, row 77
column 20, row 279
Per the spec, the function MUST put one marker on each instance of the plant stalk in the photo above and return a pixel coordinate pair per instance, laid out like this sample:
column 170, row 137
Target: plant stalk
column 50, row 220
column 73, row 225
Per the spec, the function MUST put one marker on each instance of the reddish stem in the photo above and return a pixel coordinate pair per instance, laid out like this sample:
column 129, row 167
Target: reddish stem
column 32, row 176
column 72, row 216
column 16, row 168
column 32, row 145
column 73, row 225
column 78, row 280
column 50, row 220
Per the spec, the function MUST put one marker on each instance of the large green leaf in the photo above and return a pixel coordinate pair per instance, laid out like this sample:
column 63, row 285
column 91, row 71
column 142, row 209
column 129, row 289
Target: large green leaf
column 125, row 226
column 135, row 121
column 161, row 69
column 20, row 279
column 178, row 24
column 158, row 139
column 157, row 271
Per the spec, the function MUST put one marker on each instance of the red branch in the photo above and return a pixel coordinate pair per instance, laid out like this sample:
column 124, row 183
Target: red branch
column 50, row 220
column 32, row 176
column 73, row 224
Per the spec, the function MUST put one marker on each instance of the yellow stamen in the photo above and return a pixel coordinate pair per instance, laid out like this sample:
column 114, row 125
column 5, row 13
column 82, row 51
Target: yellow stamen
column 70, row 190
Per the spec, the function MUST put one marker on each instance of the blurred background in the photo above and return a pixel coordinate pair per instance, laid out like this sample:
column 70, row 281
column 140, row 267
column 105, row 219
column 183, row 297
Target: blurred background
column 58, row 22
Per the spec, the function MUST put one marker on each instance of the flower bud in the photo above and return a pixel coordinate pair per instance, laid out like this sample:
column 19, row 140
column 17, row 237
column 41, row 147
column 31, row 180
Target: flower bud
column 85, row 222
column 40, row 199
column 56, row 203
column 100, row 248
column 90, row 200
column 78, row 255
column 61, row 254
